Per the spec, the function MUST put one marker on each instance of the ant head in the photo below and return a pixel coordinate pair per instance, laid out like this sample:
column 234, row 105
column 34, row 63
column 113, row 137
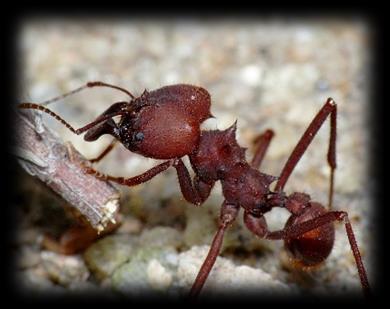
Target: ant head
column 159, row 131
column 165, row 123
column 160, row 124
column 217, row 153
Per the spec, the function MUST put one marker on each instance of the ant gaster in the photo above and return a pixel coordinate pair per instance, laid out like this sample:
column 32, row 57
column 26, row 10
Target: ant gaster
column 165, row 124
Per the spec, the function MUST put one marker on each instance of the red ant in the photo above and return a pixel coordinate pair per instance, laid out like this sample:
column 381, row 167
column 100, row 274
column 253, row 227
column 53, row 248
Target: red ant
column 165, row 124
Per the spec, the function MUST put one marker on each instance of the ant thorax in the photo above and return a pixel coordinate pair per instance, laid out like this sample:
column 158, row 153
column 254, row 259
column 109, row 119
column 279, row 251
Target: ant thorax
column 218, row 152
column 248, row 188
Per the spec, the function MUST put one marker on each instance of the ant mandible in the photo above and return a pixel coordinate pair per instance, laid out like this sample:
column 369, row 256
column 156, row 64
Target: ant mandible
column 165, row 124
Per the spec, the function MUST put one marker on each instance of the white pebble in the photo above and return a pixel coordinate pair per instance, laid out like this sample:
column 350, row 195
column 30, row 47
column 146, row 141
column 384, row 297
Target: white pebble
column 251, row 75
column 158, row 277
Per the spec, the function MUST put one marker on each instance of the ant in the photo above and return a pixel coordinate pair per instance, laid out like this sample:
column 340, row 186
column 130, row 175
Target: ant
column 165, row 124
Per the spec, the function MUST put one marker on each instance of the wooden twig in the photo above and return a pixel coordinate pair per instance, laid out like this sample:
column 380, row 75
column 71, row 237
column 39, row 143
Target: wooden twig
column 41, row 153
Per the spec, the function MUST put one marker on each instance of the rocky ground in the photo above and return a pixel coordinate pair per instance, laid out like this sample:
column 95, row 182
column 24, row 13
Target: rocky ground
column 273, row 73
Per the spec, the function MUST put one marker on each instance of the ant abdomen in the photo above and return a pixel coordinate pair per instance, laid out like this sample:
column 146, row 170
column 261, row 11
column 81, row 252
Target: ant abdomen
column 313, row 247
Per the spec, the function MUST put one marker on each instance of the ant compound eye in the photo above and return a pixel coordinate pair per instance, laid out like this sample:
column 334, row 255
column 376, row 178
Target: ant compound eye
column 139, row 136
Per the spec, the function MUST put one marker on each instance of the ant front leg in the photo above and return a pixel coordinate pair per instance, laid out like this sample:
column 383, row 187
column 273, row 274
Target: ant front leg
column 330, row 108
column 229, row 213
column 195, row 193
column 133, row 181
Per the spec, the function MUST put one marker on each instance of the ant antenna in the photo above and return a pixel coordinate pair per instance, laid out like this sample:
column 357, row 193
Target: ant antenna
column 87, row 85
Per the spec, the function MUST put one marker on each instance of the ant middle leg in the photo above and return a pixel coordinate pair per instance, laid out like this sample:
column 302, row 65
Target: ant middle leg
column 261, row 142
column 195, row 192
column 330, row 108
column 229, row 213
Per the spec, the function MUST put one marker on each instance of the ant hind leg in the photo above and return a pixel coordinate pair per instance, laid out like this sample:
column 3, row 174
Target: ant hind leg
column 296, row 230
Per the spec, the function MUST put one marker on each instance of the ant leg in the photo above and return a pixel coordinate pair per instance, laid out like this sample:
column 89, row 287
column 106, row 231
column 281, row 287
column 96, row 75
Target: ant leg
column 104, row 152
column 330, row 108
column 262, row 142
column 117, row 109
column 228, row 215
column 133, row 181
column 294, row 231
column 195, row 193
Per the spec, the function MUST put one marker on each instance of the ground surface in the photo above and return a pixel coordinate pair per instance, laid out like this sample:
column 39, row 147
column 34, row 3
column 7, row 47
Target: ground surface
column 266, row 74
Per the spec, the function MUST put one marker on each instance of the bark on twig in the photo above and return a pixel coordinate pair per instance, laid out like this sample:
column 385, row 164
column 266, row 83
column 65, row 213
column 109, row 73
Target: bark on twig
column 43, row 155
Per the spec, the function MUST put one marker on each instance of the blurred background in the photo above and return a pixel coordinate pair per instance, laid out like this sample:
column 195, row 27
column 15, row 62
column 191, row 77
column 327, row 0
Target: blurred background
column 266, row 73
